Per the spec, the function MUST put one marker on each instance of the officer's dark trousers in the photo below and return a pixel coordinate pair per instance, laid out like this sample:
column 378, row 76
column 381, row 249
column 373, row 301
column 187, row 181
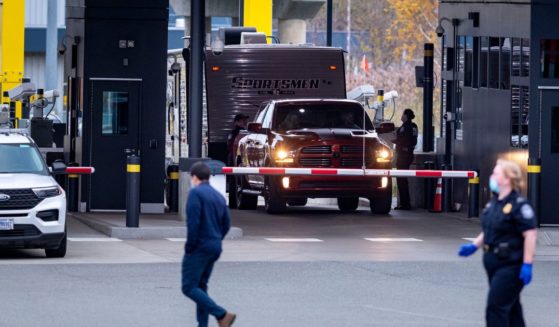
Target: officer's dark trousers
column 503, row 301
column 196, row 271
column 403, row 161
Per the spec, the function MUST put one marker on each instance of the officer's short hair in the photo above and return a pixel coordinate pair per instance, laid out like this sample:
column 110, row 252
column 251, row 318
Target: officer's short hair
column 201, row 171
column 409, row 113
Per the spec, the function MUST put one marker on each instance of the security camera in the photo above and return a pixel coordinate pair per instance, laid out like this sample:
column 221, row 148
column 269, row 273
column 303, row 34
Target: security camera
column 440, row 31
column 217, row 47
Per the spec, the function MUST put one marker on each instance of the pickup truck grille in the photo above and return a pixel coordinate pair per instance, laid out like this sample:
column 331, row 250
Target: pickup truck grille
column 352, row 149
column 315, row 162
column 20, row 199
column 354, row 162
column 317, row 149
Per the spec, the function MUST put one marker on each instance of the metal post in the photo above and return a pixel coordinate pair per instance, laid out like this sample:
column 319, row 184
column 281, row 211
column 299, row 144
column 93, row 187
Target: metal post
column 51, row 68
column 173, row 180
column 534, row 182
column 329, row 15
column 73, row 189
column 196, row 71
column 473, row 197
column 133, row 191
column 428, row 133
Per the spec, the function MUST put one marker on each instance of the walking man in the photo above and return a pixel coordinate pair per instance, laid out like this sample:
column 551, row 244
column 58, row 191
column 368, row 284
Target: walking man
column 208, row 222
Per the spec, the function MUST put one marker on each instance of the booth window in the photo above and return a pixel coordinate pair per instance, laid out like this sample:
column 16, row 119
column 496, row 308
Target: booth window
column 550, row 58
column 520, row 107
column 525, row 72
column 469, row 61
column 516, row 57
column 494, row 49
column 555, row 129
column 115, row 113
column 475, row 69
column 461, row 46
column 505, row 63
column 483, row 58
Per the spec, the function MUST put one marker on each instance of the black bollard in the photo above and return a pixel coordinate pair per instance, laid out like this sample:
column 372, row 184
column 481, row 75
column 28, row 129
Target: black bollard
column 133, row 191
column 73, row 186
column 473, row 197
column 534, row 182
column 173, row 180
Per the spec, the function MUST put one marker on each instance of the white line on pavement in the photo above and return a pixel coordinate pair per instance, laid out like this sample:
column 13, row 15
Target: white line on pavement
column 294, row 240
column 393, row 239
column 471, row 239
column 176, row 239
column 93, row 239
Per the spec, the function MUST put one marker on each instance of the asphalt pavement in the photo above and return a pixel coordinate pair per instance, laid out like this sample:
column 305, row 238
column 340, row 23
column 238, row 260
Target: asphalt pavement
column 309, row 267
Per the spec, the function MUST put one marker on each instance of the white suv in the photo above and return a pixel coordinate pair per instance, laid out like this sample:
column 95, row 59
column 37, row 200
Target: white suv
column 32, row 204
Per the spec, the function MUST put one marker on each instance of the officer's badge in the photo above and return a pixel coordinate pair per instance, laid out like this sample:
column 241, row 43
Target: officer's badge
column 527, row 212
column 507, row 209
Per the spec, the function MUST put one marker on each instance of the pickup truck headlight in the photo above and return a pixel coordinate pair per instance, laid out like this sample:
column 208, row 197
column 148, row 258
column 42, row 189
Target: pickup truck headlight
column 47, row 192
column 383, row 155
column 283, row 156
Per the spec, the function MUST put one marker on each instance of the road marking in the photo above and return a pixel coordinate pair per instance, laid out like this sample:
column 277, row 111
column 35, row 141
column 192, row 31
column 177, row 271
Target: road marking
column 393, row 239
column 176, row 239
column 294, row 240
column 471, row 239
column 93, row 239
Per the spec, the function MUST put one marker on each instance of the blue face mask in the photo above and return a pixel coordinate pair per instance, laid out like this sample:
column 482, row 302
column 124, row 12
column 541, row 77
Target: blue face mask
column 493, row 186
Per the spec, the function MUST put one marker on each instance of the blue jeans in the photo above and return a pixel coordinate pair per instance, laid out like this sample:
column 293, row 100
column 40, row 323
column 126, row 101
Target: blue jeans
column 196, row 271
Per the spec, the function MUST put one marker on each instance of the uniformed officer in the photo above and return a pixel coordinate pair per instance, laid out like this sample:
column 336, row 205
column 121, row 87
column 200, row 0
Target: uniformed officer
column 508, row 238
column 240, row 122
column 406, row 140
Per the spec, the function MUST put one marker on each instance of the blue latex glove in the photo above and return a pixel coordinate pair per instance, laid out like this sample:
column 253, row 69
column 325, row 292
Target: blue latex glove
column 526, row 273
column 467, row 250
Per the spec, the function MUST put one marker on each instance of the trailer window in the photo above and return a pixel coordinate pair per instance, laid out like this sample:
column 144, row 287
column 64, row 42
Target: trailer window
column 483, row 59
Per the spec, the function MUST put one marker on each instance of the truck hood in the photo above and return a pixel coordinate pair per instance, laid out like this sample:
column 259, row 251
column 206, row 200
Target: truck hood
column 22, row 181
column 325, row 134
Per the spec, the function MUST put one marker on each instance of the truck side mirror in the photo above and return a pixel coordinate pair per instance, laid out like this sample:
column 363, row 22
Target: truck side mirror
column 254, row 127
column 386, row 128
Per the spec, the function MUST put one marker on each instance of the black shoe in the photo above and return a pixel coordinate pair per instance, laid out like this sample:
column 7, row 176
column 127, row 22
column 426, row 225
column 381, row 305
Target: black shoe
column 402, row 208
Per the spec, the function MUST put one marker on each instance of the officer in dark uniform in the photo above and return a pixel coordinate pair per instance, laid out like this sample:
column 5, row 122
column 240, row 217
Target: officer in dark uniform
column 509, row 241
column 406, row 140
column 240, row 122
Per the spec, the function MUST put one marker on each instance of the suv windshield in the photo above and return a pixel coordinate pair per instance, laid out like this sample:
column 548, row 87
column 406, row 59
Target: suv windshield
column 21, row 158
column 291, row 116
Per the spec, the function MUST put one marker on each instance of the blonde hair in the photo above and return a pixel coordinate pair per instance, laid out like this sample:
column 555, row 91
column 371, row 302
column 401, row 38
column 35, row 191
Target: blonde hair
column 513, row 172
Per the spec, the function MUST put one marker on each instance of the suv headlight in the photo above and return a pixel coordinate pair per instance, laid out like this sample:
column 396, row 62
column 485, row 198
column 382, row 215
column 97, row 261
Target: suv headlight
column 47, row 192
column 383, row 155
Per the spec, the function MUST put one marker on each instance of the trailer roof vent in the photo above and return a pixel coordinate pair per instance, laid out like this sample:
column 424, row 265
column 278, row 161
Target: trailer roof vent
column 253, row 38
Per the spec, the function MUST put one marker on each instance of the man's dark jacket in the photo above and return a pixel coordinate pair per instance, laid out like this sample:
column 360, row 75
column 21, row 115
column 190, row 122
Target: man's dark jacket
column 208, row 220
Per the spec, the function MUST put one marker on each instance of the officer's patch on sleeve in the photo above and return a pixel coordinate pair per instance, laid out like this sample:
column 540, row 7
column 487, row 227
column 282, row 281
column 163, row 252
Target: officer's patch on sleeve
column 527, row 212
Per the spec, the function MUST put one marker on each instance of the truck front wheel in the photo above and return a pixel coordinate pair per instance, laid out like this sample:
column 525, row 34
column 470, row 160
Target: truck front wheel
column 348, row 204
column 244, row 201
column 274, row 203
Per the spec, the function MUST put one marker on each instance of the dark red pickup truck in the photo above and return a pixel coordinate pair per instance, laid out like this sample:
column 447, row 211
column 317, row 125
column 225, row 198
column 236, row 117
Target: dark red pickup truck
column 314, row 133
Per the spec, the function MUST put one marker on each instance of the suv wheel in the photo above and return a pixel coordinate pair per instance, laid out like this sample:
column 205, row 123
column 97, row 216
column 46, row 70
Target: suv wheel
column 244, row 201
column 60, row 251
column 274, row 203
column 348, row 204
column 298, row 202
column 382, row 204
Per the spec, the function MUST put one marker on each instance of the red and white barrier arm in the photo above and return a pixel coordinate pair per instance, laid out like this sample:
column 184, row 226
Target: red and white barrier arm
column 347, row 172
column 80, row 170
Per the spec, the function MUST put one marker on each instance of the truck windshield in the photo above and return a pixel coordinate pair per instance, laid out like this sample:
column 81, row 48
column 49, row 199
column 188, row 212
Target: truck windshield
column 292, row 116
column 21, row 158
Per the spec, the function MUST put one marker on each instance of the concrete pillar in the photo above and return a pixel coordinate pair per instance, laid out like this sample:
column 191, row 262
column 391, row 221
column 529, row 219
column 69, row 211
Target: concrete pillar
column 292, row 31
